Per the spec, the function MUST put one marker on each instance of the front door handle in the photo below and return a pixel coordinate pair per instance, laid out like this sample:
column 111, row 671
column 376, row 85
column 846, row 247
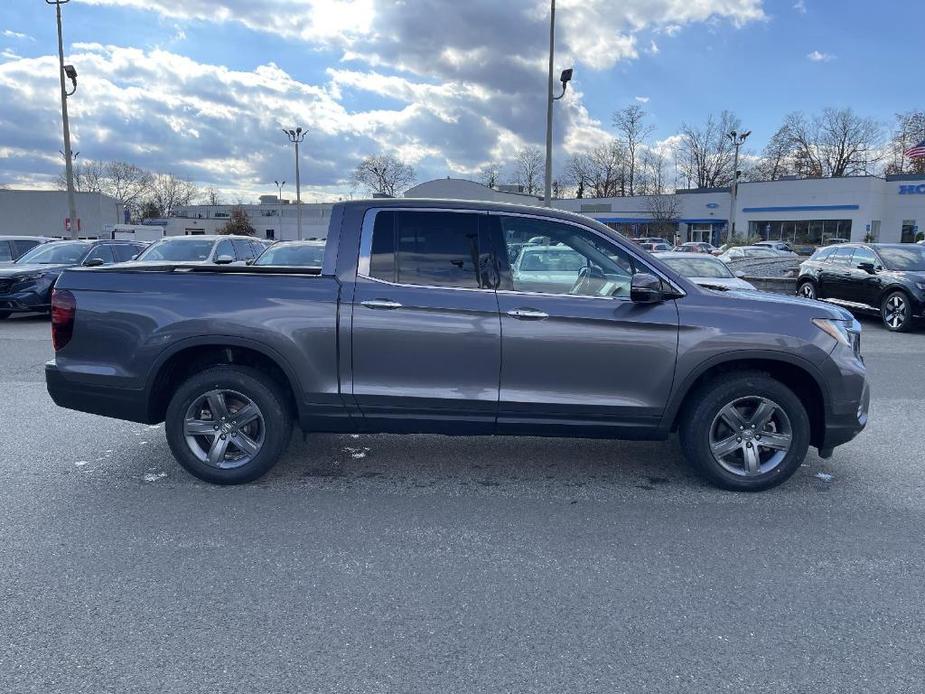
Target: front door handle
column 383, row 304
column 527, row 314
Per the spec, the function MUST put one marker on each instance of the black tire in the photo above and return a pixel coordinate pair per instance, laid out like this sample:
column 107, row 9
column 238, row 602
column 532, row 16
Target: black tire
column 896, row 312
column 275, row 423
column 702, row 416
column 807, row 289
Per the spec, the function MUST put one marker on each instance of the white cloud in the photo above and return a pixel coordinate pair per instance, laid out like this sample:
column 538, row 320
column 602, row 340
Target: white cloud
column 642, row 99
column 653, row 48
column 820, row 57
column 800, row 6
column 19, row 36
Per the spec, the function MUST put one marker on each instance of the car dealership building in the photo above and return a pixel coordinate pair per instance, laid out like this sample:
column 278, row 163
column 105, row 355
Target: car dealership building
column 802, row 211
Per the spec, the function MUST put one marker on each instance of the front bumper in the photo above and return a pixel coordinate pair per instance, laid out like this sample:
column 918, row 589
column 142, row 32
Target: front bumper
column 27, row 300
column 119, row 403
column 841, row 428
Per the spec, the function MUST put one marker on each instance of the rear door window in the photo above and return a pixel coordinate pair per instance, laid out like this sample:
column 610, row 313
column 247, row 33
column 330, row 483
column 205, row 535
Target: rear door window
column 842, row 256
column 225, row 247
column 6, row 252
column 123, row 251
column 438, row 249
column 822, row 255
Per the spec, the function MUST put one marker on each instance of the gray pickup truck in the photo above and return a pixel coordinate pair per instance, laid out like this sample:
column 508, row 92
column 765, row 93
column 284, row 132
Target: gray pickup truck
column 416, row 322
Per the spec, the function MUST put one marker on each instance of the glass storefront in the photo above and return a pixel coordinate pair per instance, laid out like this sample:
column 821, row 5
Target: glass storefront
column 805, row 231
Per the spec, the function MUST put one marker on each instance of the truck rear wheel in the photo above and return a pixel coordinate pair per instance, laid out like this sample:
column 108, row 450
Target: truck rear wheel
column 746, row 432
column 228, row 425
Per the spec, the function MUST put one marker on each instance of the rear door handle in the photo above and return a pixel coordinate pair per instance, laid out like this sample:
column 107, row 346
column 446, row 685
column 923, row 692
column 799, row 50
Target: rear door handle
column 383, row 304
column 527, row 314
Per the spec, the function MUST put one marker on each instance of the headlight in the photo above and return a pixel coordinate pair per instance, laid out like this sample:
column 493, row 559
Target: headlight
column 844, row 332
column 22, row 279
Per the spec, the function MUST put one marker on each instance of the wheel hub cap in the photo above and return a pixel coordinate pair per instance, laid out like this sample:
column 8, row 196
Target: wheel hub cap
column 750, row 436
column 224, row 428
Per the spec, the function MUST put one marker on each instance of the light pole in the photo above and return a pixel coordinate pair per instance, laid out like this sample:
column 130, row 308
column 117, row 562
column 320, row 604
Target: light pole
column 737, row 139
column 296, row 137
column 279, row 205
column 564, row 78
column 69, row 72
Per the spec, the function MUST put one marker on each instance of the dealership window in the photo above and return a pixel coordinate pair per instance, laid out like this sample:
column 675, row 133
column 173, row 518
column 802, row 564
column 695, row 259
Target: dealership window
column 908, row 231
column 702, row 233
column 271, row 234
column 812, row 231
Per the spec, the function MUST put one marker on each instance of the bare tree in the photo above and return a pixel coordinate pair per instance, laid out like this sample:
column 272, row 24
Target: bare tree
column 127, row 183
column 490, row 175
column 653, row 172
column 383, row 173
column 169, row 192
column 705, row 154
column 212, row 197
column 601, row 172
column 632, row 131
column 665, row 211
column 908, row 131
column 777, row 158
column 835, row 143
column 529, row 167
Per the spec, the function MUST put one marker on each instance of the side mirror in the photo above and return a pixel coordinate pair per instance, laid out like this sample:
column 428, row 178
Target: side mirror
column 224, row 260
column 740, row 274
column 867, row 267
column 646, row 289
column 94, row 262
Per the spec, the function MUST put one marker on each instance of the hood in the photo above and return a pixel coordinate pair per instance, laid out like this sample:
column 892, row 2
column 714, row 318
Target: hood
column 14, row 270
column 821, row 309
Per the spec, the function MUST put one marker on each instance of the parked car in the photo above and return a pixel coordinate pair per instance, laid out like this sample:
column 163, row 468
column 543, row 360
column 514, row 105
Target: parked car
column 417, row 323
column 14, row 247
column 25, row 285
column 748, row 253
column 216, row 249
column 695, row 247
column 651, row 239
column 781, row 247
column 293, row 254
column 836, row 240
column 705, row 270
column 887, row 277
column 652, row 247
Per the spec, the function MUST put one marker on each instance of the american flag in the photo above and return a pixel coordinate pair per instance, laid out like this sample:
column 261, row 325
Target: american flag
column 917, row 152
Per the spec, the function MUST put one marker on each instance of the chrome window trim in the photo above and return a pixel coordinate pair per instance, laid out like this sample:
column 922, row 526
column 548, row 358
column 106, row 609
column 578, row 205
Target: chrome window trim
column 366, row 243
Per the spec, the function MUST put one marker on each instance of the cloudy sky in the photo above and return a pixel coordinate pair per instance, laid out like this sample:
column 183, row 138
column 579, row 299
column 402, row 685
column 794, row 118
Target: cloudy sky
column 201, row 88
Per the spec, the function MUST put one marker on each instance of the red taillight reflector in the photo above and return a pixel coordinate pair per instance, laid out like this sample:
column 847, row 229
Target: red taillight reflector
column 63, row 310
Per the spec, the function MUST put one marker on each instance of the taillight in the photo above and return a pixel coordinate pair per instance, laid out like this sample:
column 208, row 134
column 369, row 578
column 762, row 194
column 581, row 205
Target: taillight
column 63, row 310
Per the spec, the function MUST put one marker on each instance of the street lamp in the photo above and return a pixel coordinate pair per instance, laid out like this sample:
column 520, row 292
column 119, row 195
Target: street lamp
column 737, row 139
column 69, row 72
column 296, row 137
column 279, row 205
column 565, row 78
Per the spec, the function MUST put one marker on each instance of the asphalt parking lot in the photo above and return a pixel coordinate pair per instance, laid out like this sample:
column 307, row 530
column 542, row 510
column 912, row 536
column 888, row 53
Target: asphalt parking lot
column 431, row 564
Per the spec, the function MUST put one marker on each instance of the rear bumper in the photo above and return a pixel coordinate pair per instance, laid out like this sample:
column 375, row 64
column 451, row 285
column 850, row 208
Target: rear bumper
column 119, row 403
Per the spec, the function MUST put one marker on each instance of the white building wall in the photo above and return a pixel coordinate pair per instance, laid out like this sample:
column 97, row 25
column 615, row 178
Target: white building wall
column 42, row 213
column 280, row 219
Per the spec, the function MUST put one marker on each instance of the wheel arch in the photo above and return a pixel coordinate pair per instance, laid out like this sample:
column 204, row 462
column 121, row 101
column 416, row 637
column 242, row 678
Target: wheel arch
column 175, row 365
column 795, row 373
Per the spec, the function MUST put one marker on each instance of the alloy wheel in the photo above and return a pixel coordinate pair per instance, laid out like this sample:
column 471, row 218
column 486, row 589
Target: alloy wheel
column 224, row 429
column 750, row 436
column 807, row 290
column 894, row 311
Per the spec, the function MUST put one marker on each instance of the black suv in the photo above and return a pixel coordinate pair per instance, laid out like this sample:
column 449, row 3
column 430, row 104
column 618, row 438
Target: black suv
column 26, row 284
column 889, row 277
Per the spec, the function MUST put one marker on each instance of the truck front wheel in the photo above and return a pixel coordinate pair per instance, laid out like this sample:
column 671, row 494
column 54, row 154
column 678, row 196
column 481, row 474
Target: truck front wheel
column 746, row 432
column 229, row 424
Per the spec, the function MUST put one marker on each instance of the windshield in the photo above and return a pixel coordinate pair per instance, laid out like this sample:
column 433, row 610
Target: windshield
column 911, row 258
column 182, row 249
column 698, row 267
column 67, row 253
column 293, row 255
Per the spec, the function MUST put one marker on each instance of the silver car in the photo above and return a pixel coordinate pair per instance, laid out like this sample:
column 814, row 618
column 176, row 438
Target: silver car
column 705, row 270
